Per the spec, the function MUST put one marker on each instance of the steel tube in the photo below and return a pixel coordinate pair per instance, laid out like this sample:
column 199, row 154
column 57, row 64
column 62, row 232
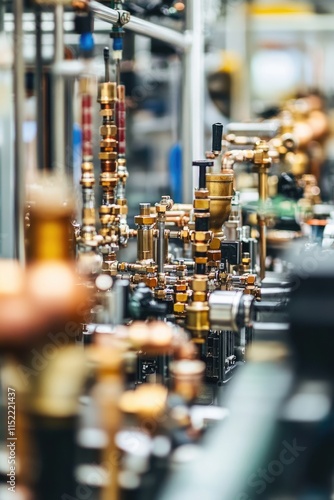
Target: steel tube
column 39, row 89
column 140, row 26
column 59, row 96
column 263, row 195
column 19, row 186
column 192, row 99
column 7, row 201
column 264, row 130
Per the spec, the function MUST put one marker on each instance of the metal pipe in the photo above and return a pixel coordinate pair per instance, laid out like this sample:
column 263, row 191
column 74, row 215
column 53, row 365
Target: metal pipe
column 69, row 97
column 2, row 16
column 263, row 245
column 161, row 245
column 38, row 88
column 140, row 26
column 59, row 95
column 263, row 130
column 7, row 201
column 192, row 98
column 19, row 186
column 263, row 187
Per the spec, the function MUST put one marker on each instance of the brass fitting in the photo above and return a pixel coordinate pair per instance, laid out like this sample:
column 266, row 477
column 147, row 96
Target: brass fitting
column 187, row 375
column 180, row 297
column 262, row 162
column 107, row 93
column 145, row 222
column 197, row 315
column 108, row 143
column 220, row 187
column 197, row 321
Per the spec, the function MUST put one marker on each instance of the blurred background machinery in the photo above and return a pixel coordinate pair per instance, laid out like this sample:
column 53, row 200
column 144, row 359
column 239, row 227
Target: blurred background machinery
column 166, row 244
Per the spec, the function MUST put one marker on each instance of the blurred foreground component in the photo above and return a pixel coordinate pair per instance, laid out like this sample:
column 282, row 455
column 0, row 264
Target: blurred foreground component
column 280, row 430
column 45, row 362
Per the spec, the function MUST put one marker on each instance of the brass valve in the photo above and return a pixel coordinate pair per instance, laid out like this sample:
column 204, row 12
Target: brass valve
column 145, row 222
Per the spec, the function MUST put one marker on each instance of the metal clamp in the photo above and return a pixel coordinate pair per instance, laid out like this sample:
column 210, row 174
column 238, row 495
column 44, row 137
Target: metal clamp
column 123, row 17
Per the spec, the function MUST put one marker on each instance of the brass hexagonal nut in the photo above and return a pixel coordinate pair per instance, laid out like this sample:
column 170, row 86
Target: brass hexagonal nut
column 151, row 282
column 105, row 209
column 108, row 130
column 202, row 236
column 107, row 155
column 160, row 208
column 106, row 112
column 181, row 297
column 180, row 287
column 121, row 201
column 145, row 220
column 200, row 247
column 108, row 143
column 201, row 193
column 202, row 204
column 199, row 283
column 199, row 296
column 179, row 308
column 250, row 280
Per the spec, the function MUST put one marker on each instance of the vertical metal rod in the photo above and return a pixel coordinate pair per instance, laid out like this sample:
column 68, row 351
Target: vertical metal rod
column 192, row 97
column 263, row 182
column 263, row 246
column 2, row 15
column 7, row 201
column 174, row 83
column 39, row 88
column 19, row 188
column 69, row 93
column 161, row 245
column 106, row 64
column 237, row 14
column 59, row 96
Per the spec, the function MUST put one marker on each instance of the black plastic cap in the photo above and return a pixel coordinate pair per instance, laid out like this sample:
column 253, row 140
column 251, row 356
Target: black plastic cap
column 217, row 135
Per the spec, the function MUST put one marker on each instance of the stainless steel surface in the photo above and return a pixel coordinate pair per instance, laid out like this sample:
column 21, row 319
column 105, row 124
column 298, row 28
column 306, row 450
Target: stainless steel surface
column 251, row 129
column 192, row 98
column 140, row 26
column 224, row 306
column 7, row 201
column 19, row 180
column 274, row 293
column 270, row 331
column 59, row 96
column 104, row 13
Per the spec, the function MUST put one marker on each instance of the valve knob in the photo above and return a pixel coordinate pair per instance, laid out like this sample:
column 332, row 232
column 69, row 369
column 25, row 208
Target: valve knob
column 217, row 135
column 106, row 64
column 202, row 164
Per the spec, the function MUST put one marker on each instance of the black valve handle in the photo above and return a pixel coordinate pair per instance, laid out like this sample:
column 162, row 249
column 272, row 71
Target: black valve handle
column 202, row 164
column 217, row 135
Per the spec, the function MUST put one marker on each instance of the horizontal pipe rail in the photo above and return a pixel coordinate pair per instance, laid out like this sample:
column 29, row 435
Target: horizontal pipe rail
column 140, row 26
